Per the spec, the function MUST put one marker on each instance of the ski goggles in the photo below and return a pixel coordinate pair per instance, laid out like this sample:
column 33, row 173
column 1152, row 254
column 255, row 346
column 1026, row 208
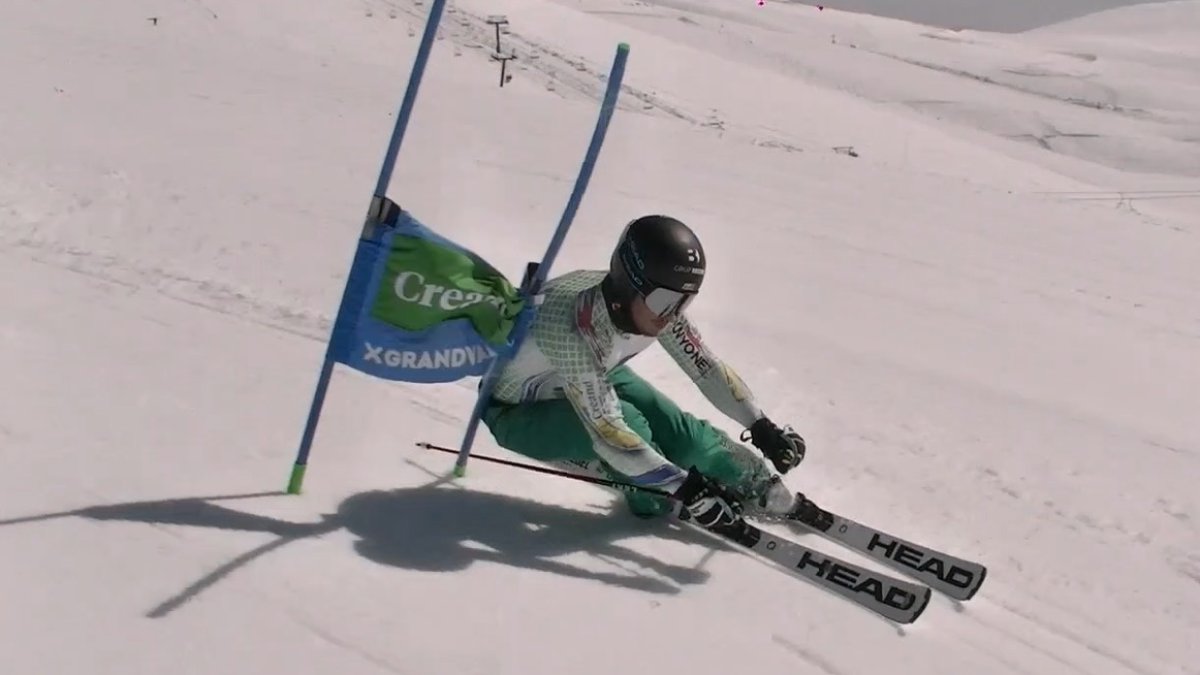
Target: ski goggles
column 665, row 302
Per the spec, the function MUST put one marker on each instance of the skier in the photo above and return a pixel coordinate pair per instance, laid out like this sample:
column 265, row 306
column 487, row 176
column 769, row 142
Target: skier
column 568, row 396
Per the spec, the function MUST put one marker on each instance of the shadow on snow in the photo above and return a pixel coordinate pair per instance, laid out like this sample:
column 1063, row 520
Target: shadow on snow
column 431, row 529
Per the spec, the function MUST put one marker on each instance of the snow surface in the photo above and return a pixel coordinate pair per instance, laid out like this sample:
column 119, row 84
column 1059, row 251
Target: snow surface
column 1009, row 15
column 986, row 324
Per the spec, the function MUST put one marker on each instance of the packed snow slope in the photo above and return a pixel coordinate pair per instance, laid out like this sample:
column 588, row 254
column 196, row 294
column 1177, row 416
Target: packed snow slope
column 1010, row 15
column 982, row 310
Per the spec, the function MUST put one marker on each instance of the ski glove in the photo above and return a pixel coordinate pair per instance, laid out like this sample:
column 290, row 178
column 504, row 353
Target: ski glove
column 709, row 505
column 784, row 447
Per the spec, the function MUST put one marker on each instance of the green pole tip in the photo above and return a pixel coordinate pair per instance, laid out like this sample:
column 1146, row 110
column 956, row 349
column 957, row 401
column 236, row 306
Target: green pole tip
column 296, row 479
column 624, row 47
column 460, row 471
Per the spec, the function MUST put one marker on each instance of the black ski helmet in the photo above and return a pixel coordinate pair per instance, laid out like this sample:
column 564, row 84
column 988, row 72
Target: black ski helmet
column 658, row 258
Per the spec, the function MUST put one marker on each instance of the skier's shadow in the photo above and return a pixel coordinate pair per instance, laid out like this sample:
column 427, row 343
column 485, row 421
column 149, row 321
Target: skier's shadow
column 435, row 529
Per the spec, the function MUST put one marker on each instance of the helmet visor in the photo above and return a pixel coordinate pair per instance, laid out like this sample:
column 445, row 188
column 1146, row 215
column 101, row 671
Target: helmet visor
column 666, row 302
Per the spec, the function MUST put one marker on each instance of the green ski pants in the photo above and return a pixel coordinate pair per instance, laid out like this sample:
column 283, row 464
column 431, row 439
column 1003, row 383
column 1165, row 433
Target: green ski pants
column 551, row 431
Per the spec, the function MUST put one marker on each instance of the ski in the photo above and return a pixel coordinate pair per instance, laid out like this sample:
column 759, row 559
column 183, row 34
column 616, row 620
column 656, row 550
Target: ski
column 895, row 599
column 953, row 576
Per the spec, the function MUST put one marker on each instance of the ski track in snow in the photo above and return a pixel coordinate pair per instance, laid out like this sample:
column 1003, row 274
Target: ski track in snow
column 209, row 294
column 808, row 656
column 326, row 635
column 554, row 67
column 569, row 75
column 1067, row 650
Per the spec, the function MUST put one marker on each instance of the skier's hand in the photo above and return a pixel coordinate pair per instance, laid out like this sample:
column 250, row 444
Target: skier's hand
column 784, row 447
column 709, row 505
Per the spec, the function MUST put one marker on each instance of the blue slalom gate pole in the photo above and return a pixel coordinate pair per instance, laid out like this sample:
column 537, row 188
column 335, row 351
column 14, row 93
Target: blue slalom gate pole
column 536, row 276
column 410, row 97
column 373, row 212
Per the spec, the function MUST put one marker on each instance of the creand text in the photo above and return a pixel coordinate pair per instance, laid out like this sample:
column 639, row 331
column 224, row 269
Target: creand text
column 411, row 287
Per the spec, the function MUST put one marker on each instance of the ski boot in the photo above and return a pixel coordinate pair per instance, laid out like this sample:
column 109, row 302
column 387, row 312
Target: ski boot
column 777, row 502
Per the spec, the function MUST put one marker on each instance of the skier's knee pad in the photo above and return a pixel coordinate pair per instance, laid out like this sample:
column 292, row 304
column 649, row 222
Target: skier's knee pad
column 775, row 498
column 741, row 470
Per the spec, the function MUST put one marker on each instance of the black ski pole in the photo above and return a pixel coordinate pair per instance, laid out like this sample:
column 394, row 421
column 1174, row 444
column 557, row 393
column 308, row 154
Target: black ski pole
column 740, row 531
column 554, row 472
